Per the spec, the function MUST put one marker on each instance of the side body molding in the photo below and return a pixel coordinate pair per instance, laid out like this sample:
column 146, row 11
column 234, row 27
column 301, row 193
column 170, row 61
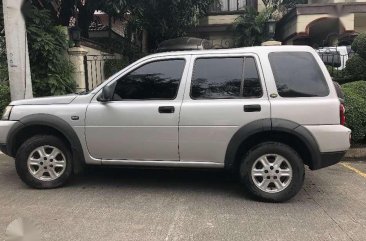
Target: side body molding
column 53, row 122
column 271, row 126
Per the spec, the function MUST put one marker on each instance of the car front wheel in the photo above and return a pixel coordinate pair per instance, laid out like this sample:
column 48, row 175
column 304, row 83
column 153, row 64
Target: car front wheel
column 44, row 161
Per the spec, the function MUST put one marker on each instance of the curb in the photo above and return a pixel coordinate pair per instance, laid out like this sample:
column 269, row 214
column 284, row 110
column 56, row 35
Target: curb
column 357, row 153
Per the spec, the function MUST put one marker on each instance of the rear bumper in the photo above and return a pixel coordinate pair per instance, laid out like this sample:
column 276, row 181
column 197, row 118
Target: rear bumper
column 328, row 159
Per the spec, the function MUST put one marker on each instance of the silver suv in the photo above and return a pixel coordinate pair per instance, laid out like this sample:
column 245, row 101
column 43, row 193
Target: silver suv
column 261, row 112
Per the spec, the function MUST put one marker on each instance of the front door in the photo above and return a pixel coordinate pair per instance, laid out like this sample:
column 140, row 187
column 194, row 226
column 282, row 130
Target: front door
column 141, row 122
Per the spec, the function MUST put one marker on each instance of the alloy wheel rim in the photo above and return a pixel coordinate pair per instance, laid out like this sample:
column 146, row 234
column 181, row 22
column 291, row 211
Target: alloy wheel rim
column 46, row 163
column 271, row 173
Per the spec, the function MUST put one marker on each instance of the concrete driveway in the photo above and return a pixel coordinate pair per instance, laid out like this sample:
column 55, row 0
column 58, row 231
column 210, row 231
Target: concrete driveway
column 136, row 204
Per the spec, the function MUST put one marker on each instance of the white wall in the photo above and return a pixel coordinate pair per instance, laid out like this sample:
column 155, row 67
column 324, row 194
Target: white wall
column 335, row 1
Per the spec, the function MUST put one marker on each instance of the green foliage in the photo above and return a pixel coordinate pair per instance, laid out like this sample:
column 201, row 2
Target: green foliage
column 359, row 45
column 250, row 27
column 355, row 102
column 112, row 66
column 166, row 19
column 4, row 76
column 4, row 96
column 52, row 73
column 355, row 68
column 337, row 75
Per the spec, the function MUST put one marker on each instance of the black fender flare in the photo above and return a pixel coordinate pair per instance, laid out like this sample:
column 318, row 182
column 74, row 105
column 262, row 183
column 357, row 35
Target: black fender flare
column 53, row 122
column 273, row 125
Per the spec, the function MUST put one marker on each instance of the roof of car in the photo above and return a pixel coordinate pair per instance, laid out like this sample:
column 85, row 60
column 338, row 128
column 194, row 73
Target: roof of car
column 256, row 49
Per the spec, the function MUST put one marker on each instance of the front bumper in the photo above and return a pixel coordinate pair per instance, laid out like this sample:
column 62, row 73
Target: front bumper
column 5, row 127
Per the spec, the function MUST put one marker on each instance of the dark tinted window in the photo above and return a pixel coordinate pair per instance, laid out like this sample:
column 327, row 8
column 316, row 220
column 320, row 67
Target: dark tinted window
column 297, row 74
column 222, row 78
column 157, row 80
column 252, row 84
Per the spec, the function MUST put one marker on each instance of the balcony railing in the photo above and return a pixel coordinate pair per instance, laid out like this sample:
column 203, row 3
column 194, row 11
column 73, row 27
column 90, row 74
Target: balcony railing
column 230, row 5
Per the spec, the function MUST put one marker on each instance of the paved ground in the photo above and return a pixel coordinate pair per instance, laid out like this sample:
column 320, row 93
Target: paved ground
column 127, row 204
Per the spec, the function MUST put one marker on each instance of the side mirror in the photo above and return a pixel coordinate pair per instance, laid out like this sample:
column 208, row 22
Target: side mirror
column 107, row 94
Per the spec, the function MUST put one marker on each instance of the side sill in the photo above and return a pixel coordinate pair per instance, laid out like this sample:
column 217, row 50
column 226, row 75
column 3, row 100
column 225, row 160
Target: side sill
column 162, row 163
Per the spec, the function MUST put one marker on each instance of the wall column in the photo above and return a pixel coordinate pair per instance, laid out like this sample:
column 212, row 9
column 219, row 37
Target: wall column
column 76, row 55
column 271, row 43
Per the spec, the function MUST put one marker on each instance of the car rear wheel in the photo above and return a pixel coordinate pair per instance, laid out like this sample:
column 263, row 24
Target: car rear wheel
column 272, row 172
column 44, row 162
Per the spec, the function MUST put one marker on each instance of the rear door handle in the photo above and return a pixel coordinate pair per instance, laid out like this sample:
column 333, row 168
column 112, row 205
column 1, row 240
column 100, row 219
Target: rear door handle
column 166, row 109
column 252, row 108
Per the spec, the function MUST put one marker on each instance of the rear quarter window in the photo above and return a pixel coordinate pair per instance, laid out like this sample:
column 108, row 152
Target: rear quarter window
column 297, row 74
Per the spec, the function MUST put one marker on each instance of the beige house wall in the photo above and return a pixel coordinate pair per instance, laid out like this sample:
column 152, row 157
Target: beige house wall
column 351, row 22
column 304, row 20
column 218, row 19
column 261, row 6
column 360, row 22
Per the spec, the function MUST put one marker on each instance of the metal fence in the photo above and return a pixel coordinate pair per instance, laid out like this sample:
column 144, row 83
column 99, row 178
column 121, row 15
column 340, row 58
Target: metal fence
column 335, row 62
column 94, row 69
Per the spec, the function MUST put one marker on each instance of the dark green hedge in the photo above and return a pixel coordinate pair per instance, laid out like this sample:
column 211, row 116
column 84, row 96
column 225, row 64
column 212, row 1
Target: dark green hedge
column 356, row 68
column 355, row 102
column 359, row 45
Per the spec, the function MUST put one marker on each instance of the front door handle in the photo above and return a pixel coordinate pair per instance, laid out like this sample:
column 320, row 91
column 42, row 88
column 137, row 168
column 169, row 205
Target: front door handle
column 252, row 108
column 166, row 109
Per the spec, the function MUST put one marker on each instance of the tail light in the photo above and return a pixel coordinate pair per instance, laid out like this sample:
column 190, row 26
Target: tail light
column 342, row 115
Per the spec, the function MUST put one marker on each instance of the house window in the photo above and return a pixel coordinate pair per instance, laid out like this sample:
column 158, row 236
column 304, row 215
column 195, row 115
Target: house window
column 228, row 5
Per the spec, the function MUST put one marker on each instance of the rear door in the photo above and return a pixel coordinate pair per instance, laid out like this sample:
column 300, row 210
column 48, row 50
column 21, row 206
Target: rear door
column 302, row 92
column 224, row 93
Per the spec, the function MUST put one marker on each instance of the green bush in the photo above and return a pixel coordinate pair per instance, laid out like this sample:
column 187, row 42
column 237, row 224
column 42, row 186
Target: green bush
column 355, row 102
column 52, row 73
column 337, row 75
column 359, row 45
column 356, row 68
column 4, row 96
column 112, row 66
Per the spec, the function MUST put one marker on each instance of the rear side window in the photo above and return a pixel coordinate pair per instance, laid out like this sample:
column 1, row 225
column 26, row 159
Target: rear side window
column 297, row 74
column 225, row 78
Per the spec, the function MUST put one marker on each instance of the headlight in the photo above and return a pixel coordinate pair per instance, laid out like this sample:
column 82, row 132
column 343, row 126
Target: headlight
column 7, row 111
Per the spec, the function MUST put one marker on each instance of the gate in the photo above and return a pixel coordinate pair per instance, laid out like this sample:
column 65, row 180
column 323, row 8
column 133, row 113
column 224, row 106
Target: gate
column 94, row 69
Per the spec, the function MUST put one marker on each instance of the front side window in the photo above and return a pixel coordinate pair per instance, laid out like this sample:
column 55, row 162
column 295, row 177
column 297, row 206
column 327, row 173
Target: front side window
column 153, row 81
column 297, row 74
column 225, row 78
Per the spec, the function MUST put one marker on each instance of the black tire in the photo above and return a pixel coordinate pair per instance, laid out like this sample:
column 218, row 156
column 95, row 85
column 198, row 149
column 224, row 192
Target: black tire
column 287, row 152
column 26, row 150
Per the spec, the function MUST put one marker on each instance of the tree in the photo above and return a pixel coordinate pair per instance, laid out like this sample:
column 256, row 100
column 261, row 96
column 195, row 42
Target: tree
column 50, row 68
column 250, row 27
column 166, row 19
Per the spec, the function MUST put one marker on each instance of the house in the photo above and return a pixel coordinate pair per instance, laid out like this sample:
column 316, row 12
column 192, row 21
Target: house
column 217, row 26
column 323, row 23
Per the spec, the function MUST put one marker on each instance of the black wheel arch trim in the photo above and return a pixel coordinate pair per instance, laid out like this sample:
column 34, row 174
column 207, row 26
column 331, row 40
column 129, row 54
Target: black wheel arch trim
column 53, row 122
column 273, row 125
